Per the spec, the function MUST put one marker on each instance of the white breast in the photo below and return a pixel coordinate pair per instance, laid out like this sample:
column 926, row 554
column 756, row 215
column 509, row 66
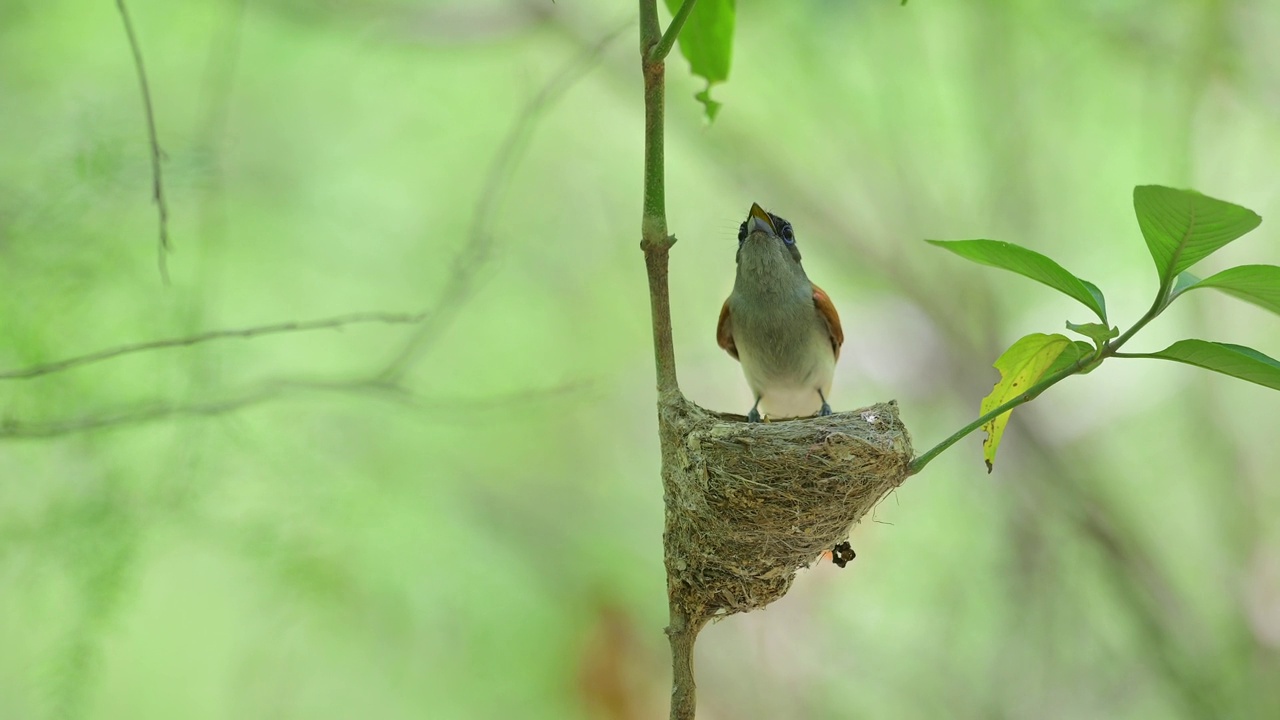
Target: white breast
column 793, row 392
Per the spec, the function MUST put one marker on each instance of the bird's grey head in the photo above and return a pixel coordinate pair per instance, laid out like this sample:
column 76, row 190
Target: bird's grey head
column 767, row 251
column 763, row 232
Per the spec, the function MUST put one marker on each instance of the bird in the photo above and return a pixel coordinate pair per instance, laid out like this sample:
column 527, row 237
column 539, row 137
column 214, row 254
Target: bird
column 778, row 324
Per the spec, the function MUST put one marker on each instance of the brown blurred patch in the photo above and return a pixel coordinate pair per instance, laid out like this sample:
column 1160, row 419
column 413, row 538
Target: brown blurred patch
column 618, row 675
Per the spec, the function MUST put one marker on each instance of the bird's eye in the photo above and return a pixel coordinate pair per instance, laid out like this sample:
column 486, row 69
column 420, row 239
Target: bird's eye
column 742, row 232
column 788, row 236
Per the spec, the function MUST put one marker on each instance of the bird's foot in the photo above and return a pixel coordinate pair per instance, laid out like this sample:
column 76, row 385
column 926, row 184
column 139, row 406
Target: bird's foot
column 753, row 415
column 826, row 409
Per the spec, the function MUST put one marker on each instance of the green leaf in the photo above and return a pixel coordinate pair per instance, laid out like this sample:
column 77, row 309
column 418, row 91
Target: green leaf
column 1097, row 295
column 1258, row 284
column 1021, row 367
column 1182, row 227
column 1096, row 332
column 706, row 41
column 1028, row 263
column 1234, row 360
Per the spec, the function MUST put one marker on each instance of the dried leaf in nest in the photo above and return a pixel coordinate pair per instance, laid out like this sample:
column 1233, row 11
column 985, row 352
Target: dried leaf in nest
column 748, row 504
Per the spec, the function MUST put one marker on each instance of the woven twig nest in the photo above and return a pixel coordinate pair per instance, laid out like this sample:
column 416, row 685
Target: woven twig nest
column 748, row 504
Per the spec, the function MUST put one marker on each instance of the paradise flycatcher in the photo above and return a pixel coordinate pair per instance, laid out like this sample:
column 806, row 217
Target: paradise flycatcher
column 778, row 324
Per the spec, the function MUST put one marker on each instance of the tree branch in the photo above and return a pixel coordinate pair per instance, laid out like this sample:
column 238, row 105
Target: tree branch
column 683, row 628
column 333, row 323
column 159, row 410
column 654, row 239
column 682, row 632
column 23, row 429
column 157, row 181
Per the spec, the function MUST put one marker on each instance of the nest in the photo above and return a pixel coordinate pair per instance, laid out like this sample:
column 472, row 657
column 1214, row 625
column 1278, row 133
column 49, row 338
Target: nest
column 748, row 504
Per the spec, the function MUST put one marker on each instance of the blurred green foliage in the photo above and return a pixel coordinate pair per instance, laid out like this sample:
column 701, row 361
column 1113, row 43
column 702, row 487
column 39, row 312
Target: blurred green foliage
column 484, row 540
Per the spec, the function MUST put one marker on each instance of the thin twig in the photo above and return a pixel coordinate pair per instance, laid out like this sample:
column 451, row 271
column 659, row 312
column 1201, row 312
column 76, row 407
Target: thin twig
column 157, row 182
column 454, row 407
column 449, row 408
column 333, row 323
column 22, row 429
column 466, row 265
column 1021, row 399
column 660, row 51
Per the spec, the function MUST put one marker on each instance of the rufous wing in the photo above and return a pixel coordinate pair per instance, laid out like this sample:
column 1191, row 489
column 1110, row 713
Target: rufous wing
column 724, row 331
column 827, row 311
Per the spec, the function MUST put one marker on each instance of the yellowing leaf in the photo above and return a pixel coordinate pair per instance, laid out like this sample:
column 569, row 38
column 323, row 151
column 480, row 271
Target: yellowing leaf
column 1021, row 367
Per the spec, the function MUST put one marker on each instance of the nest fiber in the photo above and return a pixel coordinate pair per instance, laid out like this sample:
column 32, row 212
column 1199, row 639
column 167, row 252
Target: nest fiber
column 750, row 503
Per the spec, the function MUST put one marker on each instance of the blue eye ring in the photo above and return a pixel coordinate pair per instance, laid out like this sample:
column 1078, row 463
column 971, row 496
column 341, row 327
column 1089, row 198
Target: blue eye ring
column 788, row 236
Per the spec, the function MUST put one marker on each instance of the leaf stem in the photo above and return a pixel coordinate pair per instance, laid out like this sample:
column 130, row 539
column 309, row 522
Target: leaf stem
column 1161, row 302
column 660, row 51
column 919, row 462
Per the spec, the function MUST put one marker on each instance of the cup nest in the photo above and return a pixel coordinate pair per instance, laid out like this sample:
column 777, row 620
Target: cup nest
column 748, row 504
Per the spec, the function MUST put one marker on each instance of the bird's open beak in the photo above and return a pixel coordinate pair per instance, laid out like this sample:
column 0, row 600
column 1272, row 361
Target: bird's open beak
column 760, row 220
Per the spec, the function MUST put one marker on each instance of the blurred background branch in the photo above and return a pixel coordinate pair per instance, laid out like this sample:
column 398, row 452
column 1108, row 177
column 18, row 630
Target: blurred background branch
column 440, row 409
column 334, row 323
column 157, row 155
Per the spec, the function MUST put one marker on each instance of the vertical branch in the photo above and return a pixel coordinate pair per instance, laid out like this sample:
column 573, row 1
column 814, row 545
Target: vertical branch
column 655, row 261
column 654, row 239
column 656, row 243
column 157, row 183
column 684, row 692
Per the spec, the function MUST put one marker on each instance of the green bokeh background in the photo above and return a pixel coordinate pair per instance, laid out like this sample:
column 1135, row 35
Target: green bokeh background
column 485, row 541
